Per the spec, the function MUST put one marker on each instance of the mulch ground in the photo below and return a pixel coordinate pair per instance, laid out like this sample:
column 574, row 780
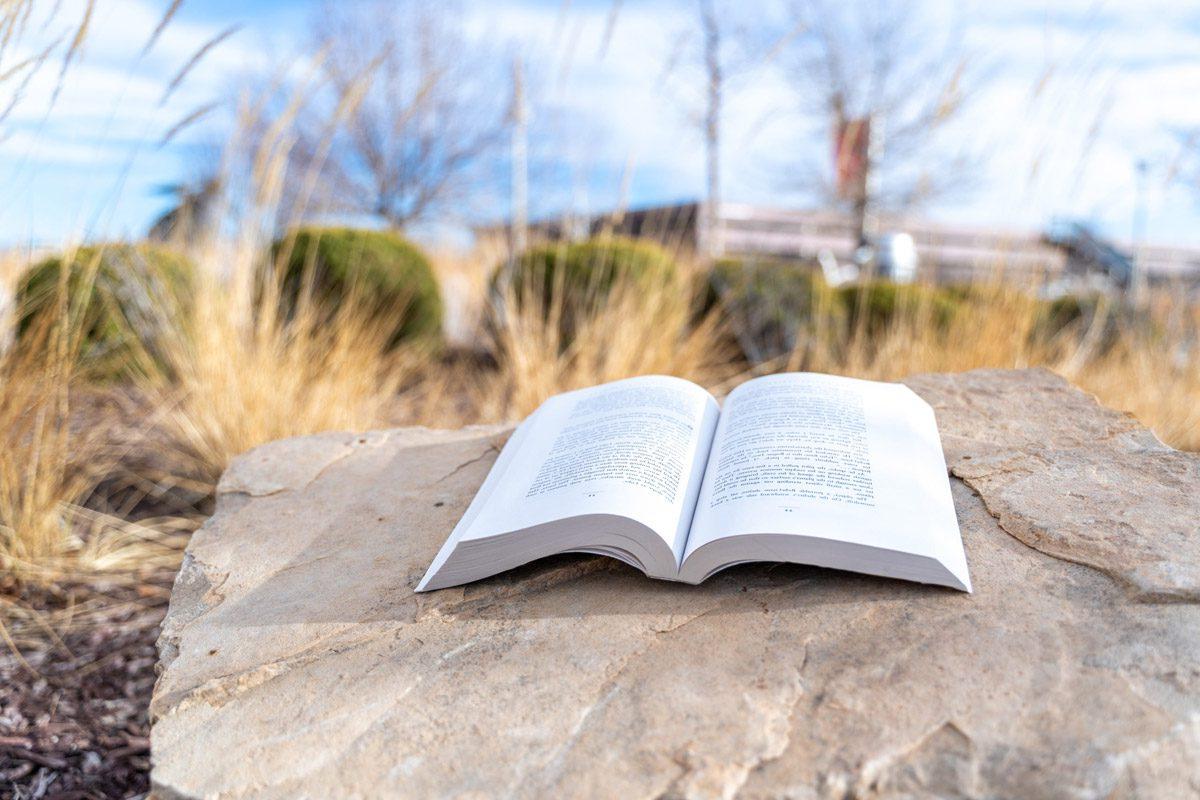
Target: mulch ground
column 73, row 716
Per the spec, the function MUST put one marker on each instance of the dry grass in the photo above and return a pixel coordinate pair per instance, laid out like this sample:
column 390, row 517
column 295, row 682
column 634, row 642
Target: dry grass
column 1150, row 368
column 1155, row 378
column 637, row 329
column 38, row 473
column 55, row 543
column 239, row 374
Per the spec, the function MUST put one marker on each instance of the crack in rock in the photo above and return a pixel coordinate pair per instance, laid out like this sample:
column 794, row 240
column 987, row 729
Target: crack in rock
column 219, row 691
column 1142, row 583
column 491, row 448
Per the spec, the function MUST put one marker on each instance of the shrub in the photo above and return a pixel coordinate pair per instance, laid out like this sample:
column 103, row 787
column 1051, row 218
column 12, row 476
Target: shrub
column 120, row 295
column 383, row 270
column 572, row 278
column 777, row 307
column 1075, row 314
column 1092, row 319
column 771, row 304
column 874, row 306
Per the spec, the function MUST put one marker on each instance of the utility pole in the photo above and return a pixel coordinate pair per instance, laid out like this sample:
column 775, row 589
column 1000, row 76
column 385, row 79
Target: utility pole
column 520, row 161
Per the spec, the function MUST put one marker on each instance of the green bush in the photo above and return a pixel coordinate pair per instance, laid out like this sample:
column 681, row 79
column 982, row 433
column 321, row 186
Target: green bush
column 580, row 275
column 379, row 268
column 1073, row 314
column 1100, row 320
column 771, row 304
column 794, row 284
column 874, row 306
column 121, row 296
column 775, row 307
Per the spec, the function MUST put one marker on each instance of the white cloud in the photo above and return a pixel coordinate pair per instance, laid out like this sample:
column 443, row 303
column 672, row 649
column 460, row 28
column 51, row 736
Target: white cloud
column 1115, row 82
column 81, row 148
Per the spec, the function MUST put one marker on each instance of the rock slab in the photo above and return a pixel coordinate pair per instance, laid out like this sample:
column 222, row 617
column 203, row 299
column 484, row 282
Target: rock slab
column 296, row 661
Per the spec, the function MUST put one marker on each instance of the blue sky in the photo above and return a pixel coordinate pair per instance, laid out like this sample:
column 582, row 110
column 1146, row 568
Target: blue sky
column 1085, row 91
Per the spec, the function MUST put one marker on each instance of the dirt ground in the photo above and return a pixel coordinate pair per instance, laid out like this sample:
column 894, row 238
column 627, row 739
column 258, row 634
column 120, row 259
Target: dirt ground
column 73, row 715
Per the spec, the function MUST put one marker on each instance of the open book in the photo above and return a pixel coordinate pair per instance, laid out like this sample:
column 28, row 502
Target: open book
column 813, row 469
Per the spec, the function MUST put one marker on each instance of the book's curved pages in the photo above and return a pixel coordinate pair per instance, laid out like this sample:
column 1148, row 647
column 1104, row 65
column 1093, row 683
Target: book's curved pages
column 802, row 467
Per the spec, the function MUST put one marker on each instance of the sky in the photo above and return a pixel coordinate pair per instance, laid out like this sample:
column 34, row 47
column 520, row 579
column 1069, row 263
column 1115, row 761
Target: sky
column 1078, row 93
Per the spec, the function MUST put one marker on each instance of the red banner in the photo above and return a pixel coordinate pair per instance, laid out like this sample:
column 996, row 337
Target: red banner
column 852, row 138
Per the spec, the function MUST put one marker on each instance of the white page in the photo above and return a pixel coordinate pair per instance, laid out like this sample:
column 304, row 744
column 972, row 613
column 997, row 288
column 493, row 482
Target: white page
column 833, row 458
column 635, row 447
column 478, row 502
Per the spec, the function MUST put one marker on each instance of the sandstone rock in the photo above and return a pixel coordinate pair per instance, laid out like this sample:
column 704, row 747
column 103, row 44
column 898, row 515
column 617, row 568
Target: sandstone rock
column 1072, row 478
column 297, row 662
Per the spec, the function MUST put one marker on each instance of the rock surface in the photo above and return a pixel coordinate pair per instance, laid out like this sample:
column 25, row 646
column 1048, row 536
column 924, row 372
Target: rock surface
column 297, row 662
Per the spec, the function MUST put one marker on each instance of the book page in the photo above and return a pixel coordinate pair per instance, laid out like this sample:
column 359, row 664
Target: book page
column 829, row 457
column 634, row 448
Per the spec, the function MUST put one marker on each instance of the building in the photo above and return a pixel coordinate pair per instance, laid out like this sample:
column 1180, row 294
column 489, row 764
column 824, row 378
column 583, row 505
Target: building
column 1068, row 255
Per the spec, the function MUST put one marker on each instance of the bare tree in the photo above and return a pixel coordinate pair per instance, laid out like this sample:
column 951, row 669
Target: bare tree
column 712, row 122
column 701, row 58
column 717, row 52
column 427, row 119
column 887, row 82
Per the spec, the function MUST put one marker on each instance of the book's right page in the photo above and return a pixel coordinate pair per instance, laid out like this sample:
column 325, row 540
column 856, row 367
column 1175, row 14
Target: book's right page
column 830, row 471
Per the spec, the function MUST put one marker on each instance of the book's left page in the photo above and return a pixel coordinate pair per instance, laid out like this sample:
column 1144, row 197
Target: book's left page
column 628, row 451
